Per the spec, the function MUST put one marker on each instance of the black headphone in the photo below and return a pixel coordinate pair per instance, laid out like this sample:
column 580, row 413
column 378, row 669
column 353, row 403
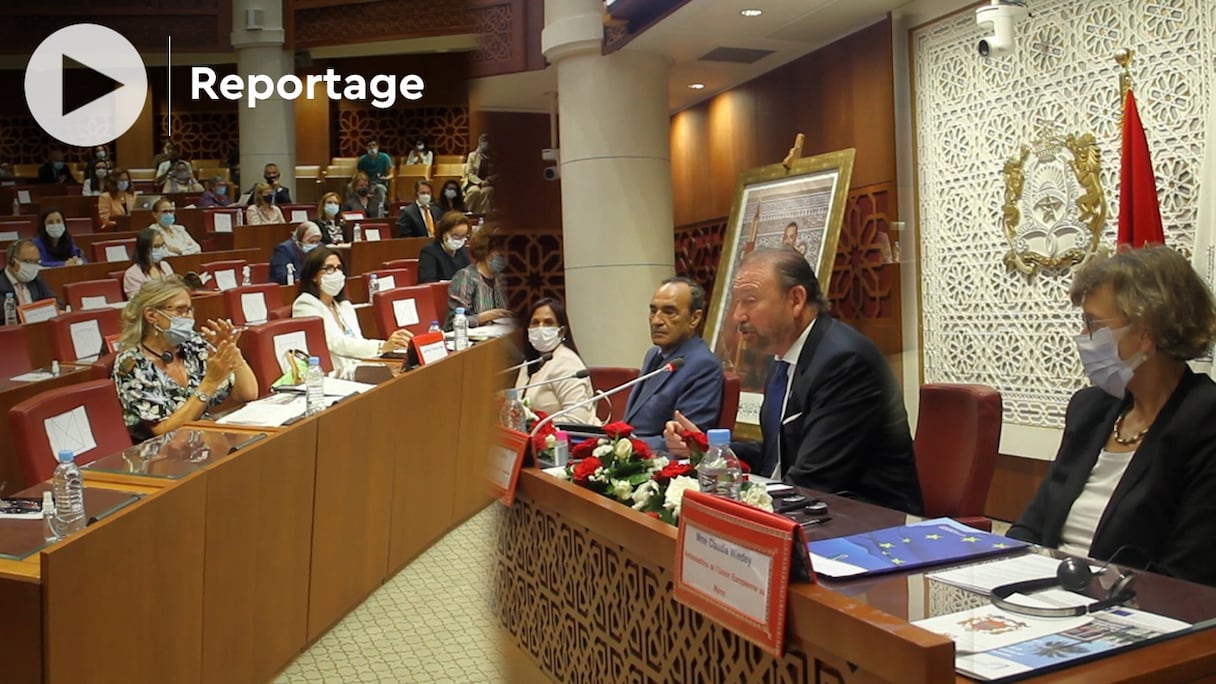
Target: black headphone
column 166, row 357
column 1072, row 574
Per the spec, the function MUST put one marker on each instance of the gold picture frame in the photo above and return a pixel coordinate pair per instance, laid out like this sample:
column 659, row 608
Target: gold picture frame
column 807, row 196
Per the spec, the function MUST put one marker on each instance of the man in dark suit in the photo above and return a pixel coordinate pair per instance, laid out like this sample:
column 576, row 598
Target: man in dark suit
column 55, row 170
column 21, row 274
column 833, row 417
column 695, row 390
column 270, row 174
column 413, row 221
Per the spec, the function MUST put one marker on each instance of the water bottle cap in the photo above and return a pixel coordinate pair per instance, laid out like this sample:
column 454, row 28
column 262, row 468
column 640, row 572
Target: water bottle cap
column 561, row 435
column 66, row 456
column 314, row 361
column 719, row 437
column 459, row 309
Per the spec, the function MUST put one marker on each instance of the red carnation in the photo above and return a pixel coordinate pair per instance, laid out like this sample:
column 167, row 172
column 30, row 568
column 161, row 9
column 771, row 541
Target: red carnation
column 619, row 429
column 696, row 441
column 673, row 470
column 640, row 448
column 584, row 448
column 744, row 467
column 585, row 469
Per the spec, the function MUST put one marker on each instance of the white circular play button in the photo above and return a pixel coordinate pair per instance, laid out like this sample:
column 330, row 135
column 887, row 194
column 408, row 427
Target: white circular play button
column 86, row 116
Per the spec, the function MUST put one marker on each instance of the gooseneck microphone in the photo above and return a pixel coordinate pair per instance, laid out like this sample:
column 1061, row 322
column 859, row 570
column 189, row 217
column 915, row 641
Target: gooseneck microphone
column 547, row 356
column 584, row 373
column 669, row 367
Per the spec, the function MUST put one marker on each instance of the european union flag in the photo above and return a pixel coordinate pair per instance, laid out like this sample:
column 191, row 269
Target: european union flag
column 911, row 546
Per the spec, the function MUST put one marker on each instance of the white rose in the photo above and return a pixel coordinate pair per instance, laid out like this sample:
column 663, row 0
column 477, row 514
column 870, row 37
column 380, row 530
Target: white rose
column 675, row 493
column 641, row 495
column 756, row 495
column 624, row 448
column 550, row 441
column 658, row 463
column 599, row 475
column 602, row 450
column 621, row 489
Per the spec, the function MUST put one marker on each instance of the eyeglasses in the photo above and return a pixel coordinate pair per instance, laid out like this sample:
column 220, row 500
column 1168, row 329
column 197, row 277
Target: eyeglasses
column 179, row 311
column 330, row 268
column 33, row 262
column 1092, row 324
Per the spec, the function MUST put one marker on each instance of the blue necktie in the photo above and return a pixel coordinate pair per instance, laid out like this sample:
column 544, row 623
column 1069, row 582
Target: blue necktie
column 770, row 417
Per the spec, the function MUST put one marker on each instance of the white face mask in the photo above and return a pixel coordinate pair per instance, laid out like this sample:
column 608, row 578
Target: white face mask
column 453, row 243
column 545, row 338
column 55, row 230
column 424, row 198
column 332, row 283
column 1100, row 358
column 27, row 272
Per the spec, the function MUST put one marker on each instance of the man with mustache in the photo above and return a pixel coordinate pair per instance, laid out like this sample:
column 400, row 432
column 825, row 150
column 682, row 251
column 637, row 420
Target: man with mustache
column 833, row 418
column 695, row 390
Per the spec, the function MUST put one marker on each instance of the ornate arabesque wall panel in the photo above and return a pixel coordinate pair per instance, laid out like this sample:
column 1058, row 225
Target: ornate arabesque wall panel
column 980, row 322
column 203, row 135
column 446, row 129
column 337, row 22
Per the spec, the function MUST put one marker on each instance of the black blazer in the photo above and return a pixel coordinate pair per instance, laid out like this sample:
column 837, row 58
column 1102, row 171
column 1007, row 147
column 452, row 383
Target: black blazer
column 39, row 290
column 1164, row 508
column 845, row 427
column 411, row 223
column 435, row 264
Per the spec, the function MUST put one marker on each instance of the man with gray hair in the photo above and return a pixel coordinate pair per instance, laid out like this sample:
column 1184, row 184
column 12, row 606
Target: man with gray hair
column 21, row 274
column 216, row 194
column 694, row 390
column 833, row 416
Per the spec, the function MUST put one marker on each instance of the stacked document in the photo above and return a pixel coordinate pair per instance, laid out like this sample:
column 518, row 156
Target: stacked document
column 991, row 643
column 984, row 577
column 894, row 549
column 491, row 330
column 273, row 411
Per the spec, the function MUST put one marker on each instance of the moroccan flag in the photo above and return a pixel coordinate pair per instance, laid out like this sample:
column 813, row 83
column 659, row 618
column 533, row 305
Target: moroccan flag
column 1139, row 214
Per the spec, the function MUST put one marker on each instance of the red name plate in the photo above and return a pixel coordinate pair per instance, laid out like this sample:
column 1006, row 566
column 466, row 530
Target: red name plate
column 429, row 346
column 506, row 456
column 733, row 565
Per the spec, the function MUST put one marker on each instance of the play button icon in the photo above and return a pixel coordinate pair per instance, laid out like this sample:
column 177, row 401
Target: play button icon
column 92, row 110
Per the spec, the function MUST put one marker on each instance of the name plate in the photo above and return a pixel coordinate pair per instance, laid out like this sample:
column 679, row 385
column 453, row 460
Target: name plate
column 506, row 457
column 733, row 565
column 429, row 347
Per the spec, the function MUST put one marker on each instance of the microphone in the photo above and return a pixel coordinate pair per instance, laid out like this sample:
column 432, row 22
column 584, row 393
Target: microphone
column 584, row 373
column 547, row 356
column 669, row 367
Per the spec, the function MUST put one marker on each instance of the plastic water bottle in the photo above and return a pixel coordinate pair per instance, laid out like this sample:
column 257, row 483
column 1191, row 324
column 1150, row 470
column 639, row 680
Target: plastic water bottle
column 512, row 415
column 10, row 309
column 291, row 274
column 460, row 325
column 68, row 488
column 434, row 327
column 16, row 207
column 50, row 530
column 247, row 277
column 358, row 236
column 719, row 472
column 561, row 448
column 314, row 383
column 373, row 286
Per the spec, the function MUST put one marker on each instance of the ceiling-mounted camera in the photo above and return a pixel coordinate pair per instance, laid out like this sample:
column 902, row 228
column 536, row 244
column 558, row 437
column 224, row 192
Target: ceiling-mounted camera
column 998, row 18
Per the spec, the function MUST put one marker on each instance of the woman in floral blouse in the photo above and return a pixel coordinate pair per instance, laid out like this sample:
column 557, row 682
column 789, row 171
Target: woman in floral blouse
column 478, row 287
column 167, row 373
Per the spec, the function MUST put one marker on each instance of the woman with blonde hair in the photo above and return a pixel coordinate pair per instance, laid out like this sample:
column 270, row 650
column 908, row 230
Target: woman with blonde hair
column 263, row 210
column 329, row 220
column 168, row 374
column 1134, row 481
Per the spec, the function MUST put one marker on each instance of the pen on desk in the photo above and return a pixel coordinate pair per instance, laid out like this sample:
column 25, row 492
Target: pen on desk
column 816, row 521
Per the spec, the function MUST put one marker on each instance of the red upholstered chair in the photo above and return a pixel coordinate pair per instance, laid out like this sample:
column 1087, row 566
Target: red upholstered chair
column 258, row 343
column 28, row 419
column 259, row 273
column 79, row 226
column 241, row 302
column 958, row 434
column 221, row 269
column 607, row 377
column 103, row 367
column 401, row 263
column 441, row 298
column 280, row 312
column 393, row 309
column 16, row 357
column 107, row 288
column 72, row 334
column 103, row 253
column 402, row 277
column 730, row 401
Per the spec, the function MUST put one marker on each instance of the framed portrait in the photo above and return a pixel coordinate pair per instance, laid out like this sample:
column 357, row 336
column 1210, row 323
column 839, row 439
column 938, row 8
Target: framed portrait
column 800, row 208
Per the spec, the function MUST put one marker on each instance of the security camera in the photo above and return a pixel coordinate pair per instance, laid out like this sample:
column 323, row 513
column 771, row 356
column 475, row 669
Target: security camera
column 552, row 154
column 553, row 173
column 998, row 17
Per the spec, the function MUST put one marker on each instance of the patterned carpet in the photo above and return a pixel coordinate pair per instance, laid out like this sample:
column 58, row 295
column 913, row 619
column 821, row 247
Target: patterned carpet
column 430, row 624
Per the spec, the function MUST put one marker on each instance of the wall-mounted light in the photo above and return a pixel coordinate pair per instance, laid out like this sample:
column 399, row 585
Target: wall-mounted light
column 696, row 86
column 751, row 12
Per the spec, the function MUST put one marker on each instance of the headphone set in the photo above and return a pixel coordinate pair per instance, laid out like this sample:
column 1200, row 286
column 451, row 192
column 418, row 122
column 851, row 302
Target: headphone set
column 1073, row 574
column 166, row 357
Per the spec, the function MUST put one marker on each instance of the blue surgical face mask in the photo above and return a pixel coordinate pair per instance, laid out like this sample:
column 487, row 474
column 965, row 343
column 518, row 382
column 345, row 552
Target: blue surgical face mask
column 1100, row 358
column 166, row 219
column 123, row 185
column 158, row 254
column 179, row 331
column 498, row 263
column 331, row 209
column 221, row 190
column 307, row 247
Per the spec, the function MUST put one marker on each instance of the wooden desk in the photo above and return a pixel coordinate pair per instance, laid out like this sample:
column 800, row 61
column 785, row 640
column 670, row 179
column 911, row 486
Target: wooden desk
column 56, row 277
column 13, row 393
column 368, row 256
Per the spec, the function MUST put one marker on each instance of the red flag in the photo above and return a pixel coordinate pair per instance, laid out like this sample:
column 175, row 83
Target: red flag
column 1139, row 214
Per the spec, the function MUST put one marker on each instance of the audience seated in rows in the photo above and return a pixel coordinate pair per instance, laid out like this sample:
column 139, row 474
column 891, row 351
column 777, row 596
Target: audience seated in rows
column 291, row 252
column 478, row 287
column 441, row 258
column 21, row 274
column 418, row 218
column 549, row 333
column 150, row 262
column 54, row 242
column 323, row 293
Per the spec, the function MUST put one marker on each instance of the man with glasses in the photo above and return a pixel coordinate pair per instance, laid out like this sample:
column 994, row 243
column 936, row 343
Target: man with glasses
column 21, row 277
column 677, row 310
column 270, row 173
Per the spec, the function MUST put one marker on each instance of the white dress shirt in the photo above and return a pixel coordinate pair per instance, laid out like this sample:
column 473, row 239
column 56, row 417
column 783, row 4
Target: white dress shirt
column 177, row 239
column 19, row 288
column 556, row 396
column 1078, row 532
column 347, row 346
column 791, row 357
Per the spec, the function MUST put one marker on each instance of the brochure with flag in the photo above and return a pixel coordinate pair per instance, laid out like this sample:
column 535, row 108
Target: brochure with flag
column 895, row 549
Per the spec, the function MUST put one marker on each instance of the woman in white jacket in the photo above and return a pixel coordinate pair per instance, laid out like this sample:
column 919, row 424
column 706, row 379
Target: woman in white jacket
column 323, row 294
column 553, row 387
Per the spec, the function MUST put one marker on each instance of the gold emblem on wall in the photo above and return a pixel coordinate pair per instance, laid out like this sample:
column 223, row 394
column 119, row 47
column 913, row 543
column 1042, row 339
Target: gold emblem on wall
column 1055, row 208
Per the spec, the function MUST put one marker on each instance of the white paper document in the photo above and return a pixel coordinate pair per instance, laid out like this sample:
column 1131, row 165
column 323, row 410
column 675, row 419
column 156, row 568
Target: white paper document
column 372, row 235
column 299, row 215
column 983, row 577
column 225, row 279
column 86, row 339
column 253, row 305
column 70, row 432
column 10, row 235
column 222, row 222
column 117, row 253
column 386, row 283
column 288, row 341
column 272, row 411
column 98, row 302
column 486, row 332
column 23, row 196
column 32, row 376
column 432, row 352
column 44, row 311
column 988, row 627
column 335, row 387
column 405, row 312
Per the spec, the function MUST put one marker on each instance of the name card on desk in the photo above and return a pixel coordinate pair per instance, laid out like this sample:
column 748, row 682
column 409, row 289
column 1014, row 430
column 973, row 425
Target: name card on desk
column 430, row 347
column 733, row 564
column 36, row 312
column 506, row 457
